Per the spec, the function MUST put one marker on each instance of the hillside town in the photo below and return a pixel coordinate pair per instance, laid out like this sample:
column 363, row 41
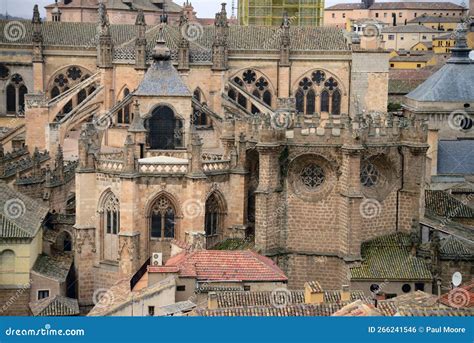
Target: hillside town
column 274, row 160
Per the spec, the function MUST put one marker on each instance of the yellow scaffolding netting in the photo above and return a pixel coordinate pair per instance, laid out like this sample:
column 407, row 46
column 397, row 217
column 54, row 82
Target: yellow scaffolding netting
column 270, row 12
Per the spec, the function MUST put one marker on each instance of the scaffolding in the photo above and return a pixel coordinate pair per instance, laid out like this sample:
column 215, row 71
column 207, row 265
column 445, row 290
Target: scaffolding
column 270, row 12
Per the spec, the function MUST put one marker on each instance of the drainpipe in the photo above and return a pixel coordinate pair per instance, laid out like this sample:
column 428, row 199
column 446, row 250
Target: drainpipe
column 402, row 157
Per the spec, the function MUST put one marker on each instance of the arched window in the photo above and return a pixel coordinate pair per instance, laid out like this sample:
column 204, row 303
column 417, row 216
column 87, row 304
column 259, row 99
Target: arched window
column 267, row 98
column 242, row 101
column 165, row 130
column 310, row 102
column 15, row 93
column 7, row 261
column 11, row 99
column 123, row 115
column 81, row 96
column 199, row 118
column 162, row 224
column 68, row 107
column 91, row 90
column 110, row 227
column 214, row 216
column 254, row 109
column 231, row 94
column 300, row 101
column 336, row 102
column 55, row 92
column 325, row 101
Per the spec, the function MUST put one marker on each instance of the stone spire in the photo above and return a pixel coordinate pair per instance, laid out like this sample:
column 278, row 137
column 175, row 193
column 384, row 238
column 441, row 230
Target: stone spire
column 37, row 36
column 460, row 53
column 105, row 46
column 219, row 47
column 161, row 52
column 140, row 41
column 285, row 42
column 183, row 50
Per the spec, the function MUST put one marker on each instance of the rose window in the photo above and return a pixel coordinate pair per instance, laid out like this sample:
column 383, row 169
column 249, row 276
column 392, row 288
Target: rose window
column 369, row 175
column 312, row 176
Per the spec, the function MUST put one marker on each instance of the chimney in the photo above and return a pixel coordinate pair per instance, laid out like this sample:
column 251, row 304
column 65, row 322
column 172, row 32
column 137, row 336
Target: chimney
column 212, row 301
column 313, row 293
column 345, row 293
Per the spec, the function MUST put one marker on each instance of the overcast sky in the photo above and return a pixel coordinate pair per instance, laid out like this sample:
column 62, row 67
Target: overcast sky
column 205, row 8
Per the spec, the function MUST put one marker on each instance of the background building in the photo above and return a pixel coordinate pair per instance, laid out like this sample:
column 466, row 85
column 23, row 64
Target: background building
column 392, row 13
column 270, row 12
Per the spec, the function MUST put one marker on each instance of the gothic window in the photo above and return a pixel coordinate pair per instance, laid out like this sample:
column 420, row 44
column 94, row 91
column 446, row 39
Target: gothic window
column 55, row 92
column 300, row 101
column 310, row 102
column 199, row 118
column 369, row 175
column 165, row 130
column 267, row 97
column 91, row 90
column 7, row 261
column 162, row 219
column 123, row 115
column 4, row 72
column 11, row 99
column 68, row 107
column 336, row 102
column 318, row 93
column 74, row 73
column 325, row 101
column 81, row 96
column 231, row 94
column 15, row 93
column 312, row 176
column 61, row 80
column 110, row 226
column 254, row 84
column 214, row 216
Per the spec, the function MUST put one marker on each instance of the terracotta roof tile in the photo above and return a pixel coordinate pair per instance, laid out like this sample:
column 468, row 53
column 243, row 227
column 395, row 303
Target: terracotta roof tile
column 443, row 204
column 213, row 265
column 55, row 306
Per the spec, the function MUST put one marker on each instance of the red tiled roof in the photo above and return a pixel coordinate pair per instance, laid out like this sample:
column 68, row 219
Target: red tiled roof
column 460, row 297
column 400, row 5
column 221, row 265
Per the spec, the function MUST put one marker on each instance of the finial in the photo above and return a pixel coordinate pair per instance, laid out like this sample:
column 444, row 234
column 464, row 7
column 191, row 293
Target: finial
column 36, row 15
column 140, row 18
column 286, row 20
column 161, row 52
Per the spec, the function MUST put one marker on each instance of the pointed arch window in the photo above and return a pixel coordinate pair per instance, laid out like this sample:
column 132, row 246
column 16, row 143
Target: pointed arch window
column 214, row 216
column 55, row 92
column 123, row 115
column 15, row 93
column 325, row 101
column 81, row 96
column 267, row 97
column 300, row 101
column 165, row 130
column 200, row 119
column 162, row 223
column 252, row 83
column 110, row 227
column 336, row 102
column 310, row 102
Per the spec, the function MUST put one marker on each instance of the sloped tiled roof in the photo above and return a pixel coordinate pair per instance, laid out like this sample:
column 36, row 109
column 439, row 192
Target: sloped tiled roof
column 412, row 58
column 357, row 309
column 239, row 265
column 456, row 157
column 409, row 29
column 434, row 312
column 82, row 35
column 296, row 310
column 443, row 204
column 389, row 258
column 55, row 306
column 20, row 216
column 264, row 298
column 146, row 5
column 55, row 267
column 435, row 19
column 400, row 5
column 461, row 297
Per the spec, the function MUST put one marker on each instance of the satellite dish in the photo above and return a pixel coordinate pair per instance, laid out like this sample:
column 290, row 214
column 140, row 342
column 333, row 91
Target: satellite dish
column 456, row 279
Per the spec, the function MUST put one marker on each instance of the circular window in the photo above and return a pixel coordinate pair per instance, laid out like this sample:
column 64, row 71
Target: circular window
column 374, row 288
column 4, row 72
column 312, row 176
column 369, row 175
column 406, row 288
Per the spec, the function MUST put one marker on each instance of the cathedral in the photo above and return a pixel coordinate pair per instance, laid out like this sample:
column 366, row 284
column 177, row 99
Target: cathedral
column 198, row 134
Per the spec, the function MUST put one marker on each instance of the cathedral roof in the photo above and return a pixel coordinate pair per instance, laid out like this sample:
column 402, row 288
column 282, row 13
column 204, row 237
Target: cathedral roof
column 399, row 5
column 133, row 5
column 241, row 38
column 21, row 216
column 455, row 157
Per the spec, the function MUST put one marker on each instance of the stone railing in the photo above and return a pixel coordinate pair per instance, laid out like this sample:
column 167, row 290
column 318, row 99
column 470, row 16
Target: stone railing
column 211, row 157
column 163, row 168
column 215, row 166
column 169, row 153
column 107, row 165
